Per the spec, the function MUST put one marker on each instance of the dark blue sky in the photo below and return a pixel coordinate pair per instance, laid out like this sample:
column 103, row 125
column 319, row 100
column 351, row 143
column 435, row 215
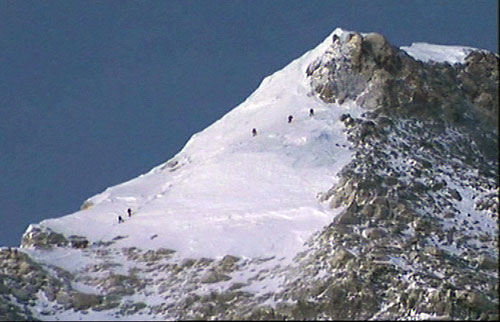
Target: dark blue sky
column 94, row 93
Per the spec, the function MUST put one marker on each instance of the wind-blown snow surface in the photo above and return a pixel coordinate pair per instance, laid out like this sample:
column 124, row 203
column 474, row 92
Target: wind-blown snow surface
column 228, row 192
column 438, row 53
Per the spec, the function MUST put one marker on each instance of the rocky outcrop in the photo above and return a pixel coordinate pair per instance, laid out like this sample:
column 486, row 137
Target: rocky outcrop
column 41, row 237
column 396, row 247
column 23, row 281
column 37, row 236
column 367, row 69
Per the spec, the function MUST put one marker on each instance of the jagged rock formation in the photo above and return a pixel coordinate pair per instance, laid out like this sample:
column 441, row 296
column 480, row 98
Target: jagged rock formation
column 417, row 234
column 378, row 76
column 396, row 247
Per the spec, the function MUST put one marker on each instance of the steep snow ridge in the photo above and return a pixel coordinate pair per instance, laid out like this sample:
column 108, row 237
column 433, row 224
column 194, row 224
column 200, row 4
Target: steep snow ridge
column 228, row 192
column 416, row 213
column 438, row 53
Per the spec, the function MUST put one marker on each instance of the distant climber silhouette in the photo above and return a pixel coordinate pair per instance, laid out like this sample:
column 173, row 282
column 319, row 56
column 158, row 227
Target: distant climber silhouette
column 254, row 132
column 129, row 211
column 290, row 118
column 311, row 112
column 120, row 219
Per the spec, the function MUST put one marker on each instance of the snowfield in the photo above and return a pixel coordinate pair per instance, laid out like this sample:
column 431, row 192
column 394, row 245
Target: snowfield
column 228, row 192
column 438, row 53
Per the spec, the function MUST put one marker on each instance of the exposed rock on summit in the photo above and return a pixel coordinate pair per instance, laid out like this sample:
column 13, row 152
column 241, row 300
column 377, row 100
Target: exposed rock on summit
column 378, row 76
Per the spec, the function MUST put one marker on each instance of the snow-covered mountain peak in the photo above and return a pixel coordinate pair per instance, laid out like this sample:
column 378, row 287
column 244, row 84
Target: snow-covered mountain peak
column 285, row 92
column 228, row 191
column 355, row 183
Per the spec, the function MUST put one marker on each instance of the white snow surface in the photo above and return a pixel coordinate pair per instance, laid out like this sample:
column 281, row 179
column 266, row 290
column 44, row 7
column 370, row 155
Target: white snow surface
column 230, row 192
column 438, row 53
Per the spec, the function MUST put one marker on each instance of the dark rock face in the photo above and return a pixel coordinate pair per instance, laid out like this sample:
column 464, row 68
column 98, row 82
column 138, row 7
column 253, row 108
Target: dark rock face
column 395, row 247
column 417, row 148
column 479, row 80
column 370, row 71
column 22, row 280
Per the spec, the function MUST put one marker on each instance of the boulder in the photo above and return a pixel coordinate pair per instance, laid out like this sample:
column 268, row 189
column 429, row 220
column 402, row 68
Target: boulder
column 83, row 301
column 228, row 263
column 214, row 276
column 78, row 241
column 477, row 302
column 488, row 262
column 455, row 194
column 64, row 298
column 341, row 257
column 349, row 216
column 374, row 233
column 22, row 294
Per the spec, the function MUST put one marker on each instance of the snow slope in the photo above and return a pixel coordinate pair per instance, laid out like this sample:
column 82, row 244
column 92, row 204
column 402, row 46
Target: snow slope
column 438, row 53
column 227, row 192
